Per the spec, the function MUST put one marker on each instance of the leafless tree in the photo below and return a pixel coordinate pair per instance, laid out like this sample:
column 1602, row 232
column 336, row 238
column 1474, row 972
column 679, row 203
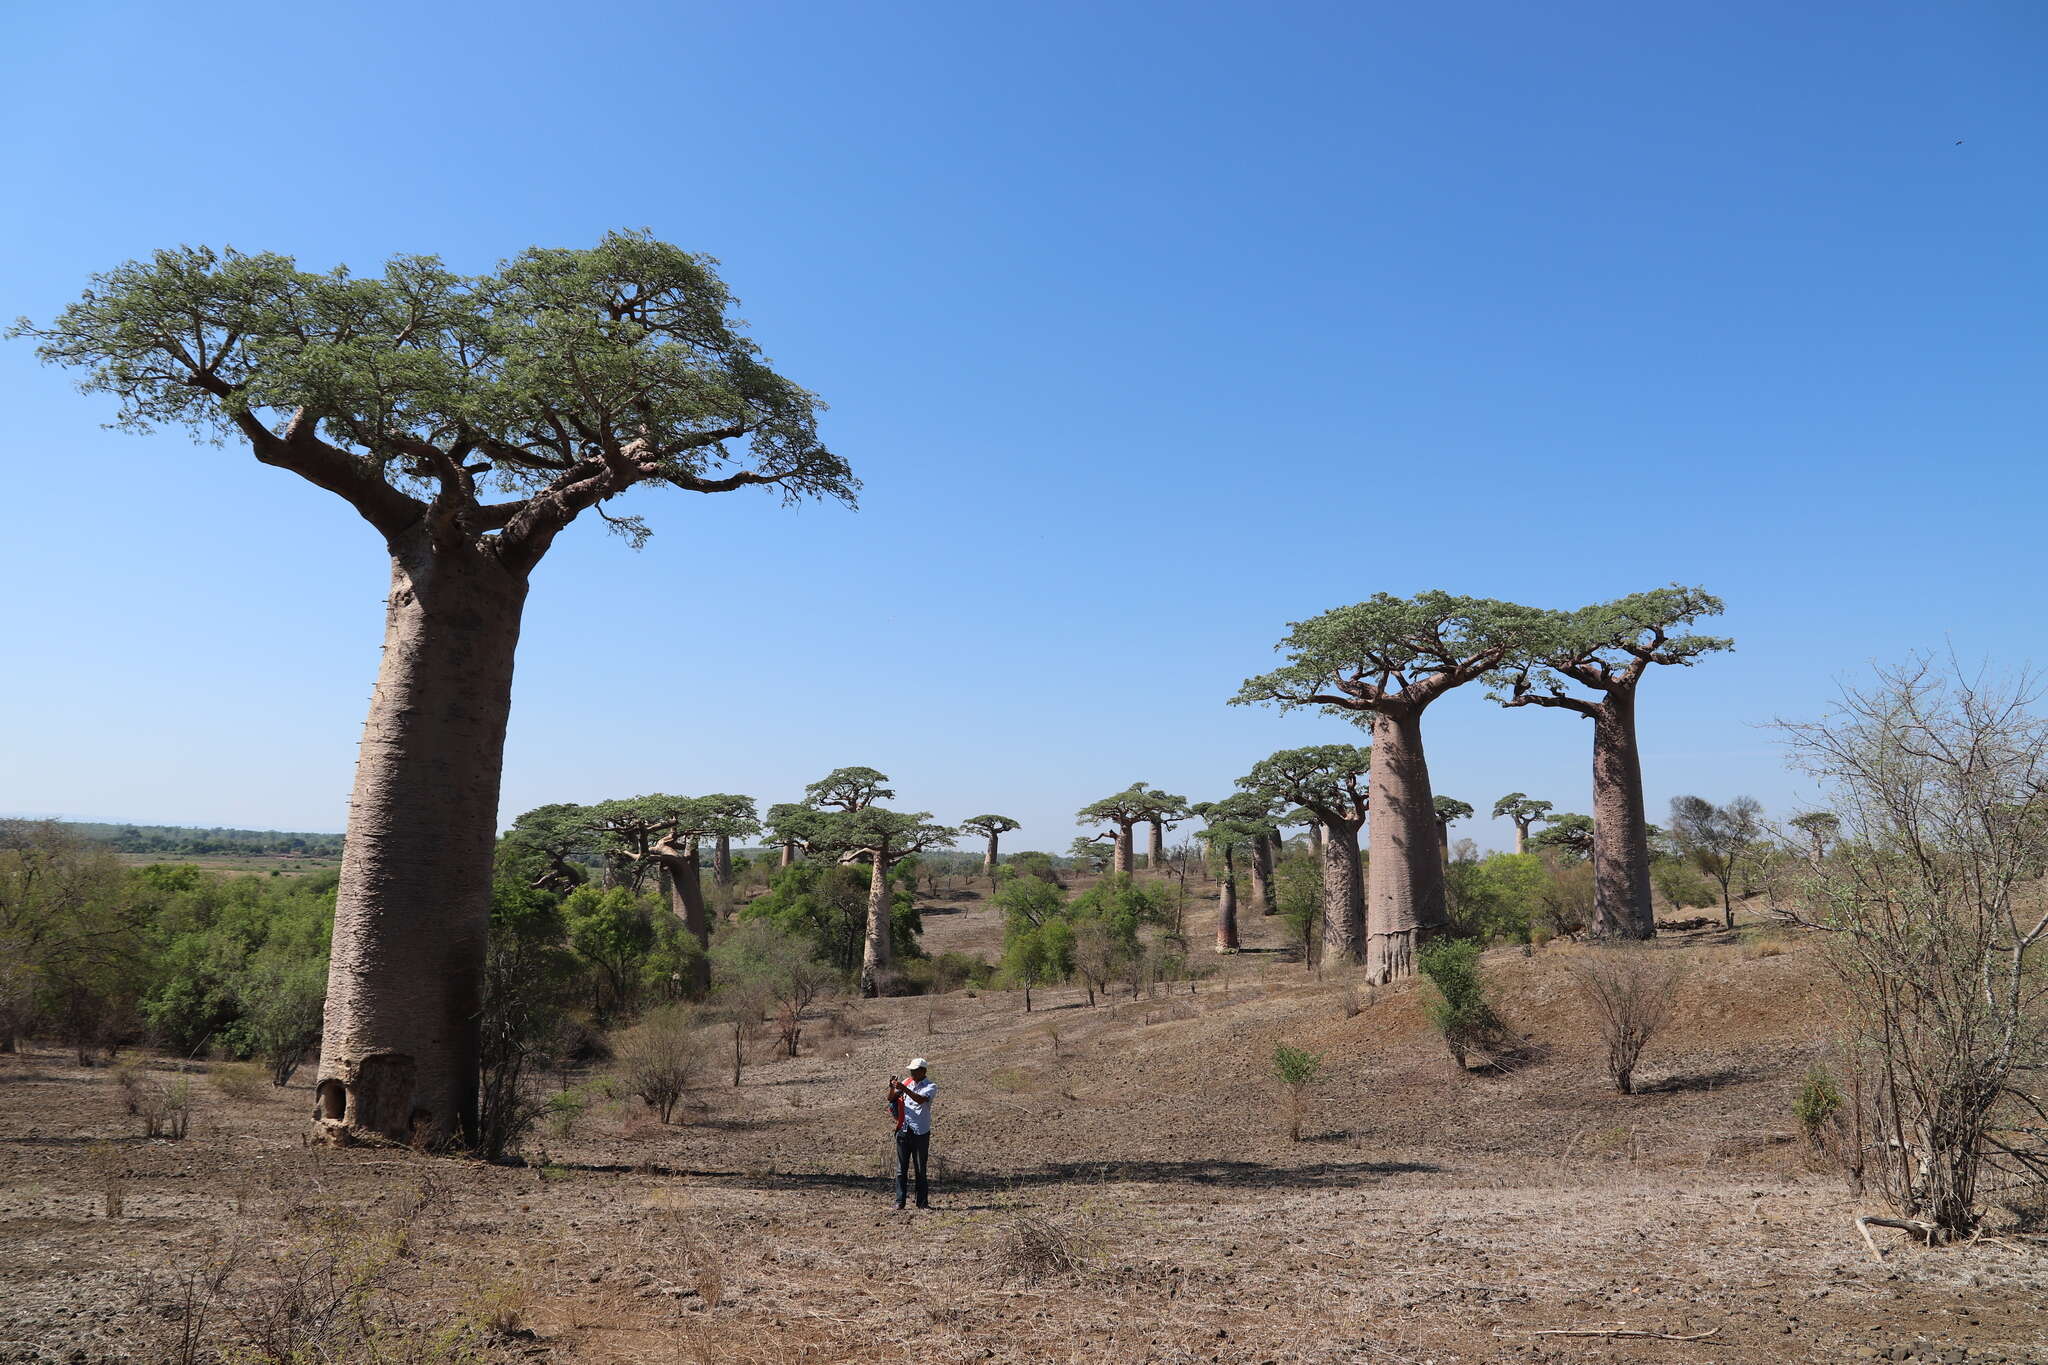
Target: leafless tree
column 1629, row 991
column 1933, row 904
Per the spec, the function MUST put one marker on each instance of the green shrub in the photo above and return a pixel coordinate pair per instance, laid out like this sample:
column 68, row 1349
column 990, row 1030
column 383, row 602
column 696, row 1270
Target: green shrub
column 1296, row 1069
column 1461, row 1012
column 1819, row 1101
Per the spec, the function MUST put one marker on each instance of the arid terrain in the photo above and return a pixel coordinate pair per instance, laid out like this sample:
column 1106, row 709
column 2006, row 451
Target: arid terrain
column 1113, row 1183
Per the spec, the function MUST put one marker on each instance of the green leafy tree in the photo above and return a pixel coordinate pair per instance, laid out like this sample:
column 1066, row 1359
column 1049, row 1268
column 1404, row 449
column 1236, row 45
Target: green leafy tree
column 553, row 384
column 1570, row 837
column 1606, row 649
column 1096, row 852
column 556, row 834
column 1233, row 827
column 1461, row 1011
column 1297, row 1069
column 869, row 833
column 612, row 932
column 784, row 967
column 1498, row 897
column 1523, row 811
column 1329, row 782
column 1382, row 662
column 668, row 832
column 1720, row 840
column 848, row 789
column 991, row 828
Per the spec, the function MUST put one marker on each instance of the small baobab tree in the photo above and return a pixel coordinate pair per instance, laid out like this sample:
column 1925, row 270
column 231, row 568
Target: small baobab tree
column 881, row 838
column 1521, row 811
column 1095, row 852
column 1381, row 663
column 1329, row 782
column 1570, row 836
column 1606, row 649
column 1720, row 840
column 1121, row 811
column 469, row 419
column 1164, row 811
column 1449, row 810
column 1231, row 827
column 667, row 832
column 991, row 828
column 1820, row 828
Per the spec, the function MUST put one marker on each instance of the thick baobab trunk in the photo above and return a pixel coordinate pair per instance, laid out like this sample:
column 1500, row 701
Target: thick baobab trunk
column 1521, row 836
column 399, row 1050
column 1405, row 897
column 874, row 958
column 1622, row 907
column 683, row 869
column 1155, row 855
column 1122, row 865
column 1262, row 874
column 788, row 853
column 1344, row 918
column 1315, row 840
column 721, row 872
column 1226, row 907
column 1443, row 841
column 988, row 860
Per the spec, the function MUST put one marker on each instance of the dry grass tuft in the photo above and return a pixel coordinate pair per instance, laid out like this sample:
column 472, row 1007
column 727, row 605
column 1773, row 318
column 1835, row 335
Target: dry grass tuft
column 1031, row 1249
column 244, row 1082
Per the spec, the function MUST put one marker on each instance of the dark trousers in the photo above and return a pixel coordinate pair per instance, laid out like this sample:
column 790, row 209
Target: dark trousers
column 917, row 1148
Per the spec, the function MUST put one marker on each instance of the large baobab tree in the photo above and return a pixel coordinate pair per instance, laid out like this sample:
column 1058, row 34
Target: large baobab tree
column 1120, row 811
column 1382, row 662
column 556, row 832
column 848, row 789
column 1449, row 810
column 554, row 383
column 1329, row 782
column 1230, row 827
column 1606, row 649
column 881, row 838
column 991, row 828
column 1522, row 811
column 1165, row 810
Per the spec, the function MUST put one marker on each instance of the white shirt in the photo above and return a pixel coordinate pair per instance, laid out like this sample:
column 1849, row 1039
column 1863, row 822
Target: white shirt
column 917, row 1105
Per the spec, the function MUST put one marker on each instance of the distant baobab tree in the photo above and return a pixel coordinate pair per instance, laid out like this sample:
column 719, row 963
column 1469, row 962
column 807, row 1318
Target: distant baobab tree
column 1164, row 811
column 1230, row 827
column 1606, row 649
column 1449, row 809
column 1329, row 782
column 1523, row 811
column 1121, row 811
column 557, row 832
column 552, row 384
column 992, row 828
column 667, row 832
column 1382, row 662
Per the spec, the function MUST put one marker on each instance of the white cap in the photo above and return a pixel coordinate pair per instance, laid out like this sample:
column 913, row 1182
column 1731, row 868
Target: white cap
column 917, row 1063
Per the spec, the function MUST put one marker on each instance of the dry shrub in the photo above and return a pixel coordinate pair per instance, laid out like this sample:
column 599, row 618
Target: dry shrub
column 163, row 1104
column 244, row 1082
column 108, row 1166
column 661, row 1056
column 1031, row 1249
column 678, row 1242
column 1630, row 991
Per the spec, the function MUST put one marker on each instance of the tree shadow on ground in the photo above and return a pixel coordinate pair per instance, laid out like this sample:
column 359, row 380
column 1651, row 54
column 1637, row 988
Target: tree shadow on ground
column 1688, row 1081
column 1239, row 1174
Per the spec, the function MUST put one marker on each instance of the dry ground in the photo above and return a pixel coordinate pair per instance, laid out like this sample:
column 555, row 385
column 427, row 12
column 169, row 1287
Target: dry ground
column 1427, row 1216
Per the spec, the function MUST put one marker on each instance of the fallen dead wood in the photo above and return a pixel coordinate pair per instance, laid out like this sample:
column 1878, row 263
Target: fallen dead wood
column 1611, row 1332
column 1926, row 1230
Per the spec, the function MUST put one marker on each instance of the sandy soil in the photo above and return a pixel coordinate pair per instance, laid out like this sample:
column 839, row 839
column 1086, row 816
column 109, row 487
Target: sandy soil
column 1427, row 1216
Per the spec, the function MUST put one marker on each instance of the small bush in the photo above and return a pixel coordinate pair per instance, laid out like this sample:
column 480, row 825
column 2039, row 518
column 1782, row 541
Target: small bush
column 1461, row 1011
column 165, row 1107
column 109, row 1169
column 659, row 1057
column 1819, row 1101
column 1031, row 1249
column 1630, row 991
column 243, row 1082
column 1296, row 1069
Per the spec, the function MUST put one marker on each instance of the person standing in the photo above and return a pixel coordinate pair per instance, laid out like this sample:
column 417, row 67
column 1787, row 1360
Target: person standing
column 910, row 1100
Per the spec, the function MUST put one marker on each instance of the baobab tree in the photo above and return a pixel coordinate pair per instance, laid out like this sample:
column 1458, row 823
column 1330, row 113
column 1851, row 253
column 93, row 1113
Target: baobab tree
column 848, row 789
column 667, row 832
column 790, row 825
column 1230, row 826
column 1329, row 782
column 556, row 382
column 992, row 828
column 1165, row 811
column 1819, row 826
column 1381, row 663
column 1449, row 810
column 557, row 832
column 881, row 838
column 1096, row 852
column 1606, row 649
column 1120, row 811
column 1523, row 811
column 1570, row 833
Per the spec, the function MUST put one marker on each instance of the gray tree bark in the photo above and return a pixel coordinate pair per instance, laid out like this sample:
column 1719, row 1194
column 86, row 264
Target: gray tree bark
column 988, row 861
column 1226, row 907
column 1622, row 904
column 1405, row 898
column 875, row 961
column 399, row 1052
column 1315, row 838
column 1344, row 910
column 683, row 869
column 1155, row 855
column 721, row 872
column 1262, row 874
column 788, row 853
column 1522, row 836
column 1123, row 857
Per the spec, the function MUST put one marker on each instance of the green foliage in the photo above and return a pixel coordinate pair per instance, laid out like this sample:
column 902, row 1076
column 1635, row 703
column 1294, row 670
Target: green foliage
column 1028, row 902
column 192, row 841
column 848, row 789
column 1461, row 1011
column 1520, row 807
column 1327, row 780
column 1819, row 1101
column 626, row 344
column 1681, row 883
column 1609, row 643
column 1569, row 838
column 613, row 933
column 1449, row 810
column 1295, row 1066
column 1496, row 898
column 1038, row 955
column 1298, row 899
column 989, row 826
column 827, row 904
column 1122, row 905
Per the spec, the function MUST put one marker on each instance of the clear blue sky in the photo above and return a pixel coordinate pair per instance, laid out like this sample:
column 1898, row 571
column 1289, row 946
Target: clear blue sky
column 1151, row 328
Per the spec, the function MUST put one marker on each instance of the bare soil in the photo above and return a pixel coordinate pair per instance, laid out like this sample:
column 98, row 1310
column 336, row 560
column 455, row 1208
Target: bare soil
column 1428, row 1216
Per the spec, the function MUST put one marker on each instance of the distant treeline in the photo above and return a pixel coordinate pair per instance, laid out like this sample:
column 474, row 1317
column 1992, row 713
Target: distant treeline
column 188, row 840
